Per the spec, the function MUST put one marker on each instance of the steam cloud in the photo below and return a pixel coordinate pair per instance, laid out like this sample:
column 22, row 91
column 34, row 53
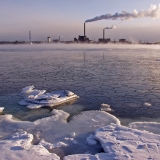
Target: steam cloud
column 152, row 12
column 113, row 27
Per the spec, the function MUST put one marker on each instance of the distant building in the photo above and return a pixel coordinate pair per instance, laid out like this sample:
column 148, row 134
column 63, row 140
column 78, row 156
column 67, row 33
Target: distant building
column 82, row 38
column 49, row 39
column 122, row 40
column 56, row 40
column 101, row 40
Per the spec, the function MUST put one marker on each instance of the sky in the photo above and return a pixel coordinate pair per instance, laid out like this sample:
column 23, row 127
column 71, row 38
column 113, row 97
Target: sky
column 65, row 18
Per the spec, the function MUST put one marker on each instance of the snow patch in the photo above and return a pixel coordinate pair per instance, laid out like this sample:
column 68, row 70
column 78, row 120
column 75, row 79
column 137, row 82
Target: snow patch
column 91, row 140
column 105, row 107
column 18, row 146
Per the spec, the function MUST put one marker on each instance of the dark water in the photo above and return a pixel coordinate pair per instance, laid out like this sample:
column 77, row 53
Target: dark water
column 125, row 77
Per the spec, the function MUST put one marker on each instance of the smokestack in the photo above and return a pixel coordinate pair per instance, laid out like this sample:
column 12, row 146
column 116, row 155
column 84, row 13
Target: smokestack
column 103, row 34
column 29, row 36
column 84, row 31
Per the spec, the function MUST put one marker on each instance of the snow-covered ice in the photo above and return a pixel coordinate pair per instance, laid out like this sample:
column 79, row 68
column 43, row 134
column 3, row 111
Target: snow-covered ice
column 90, row 140
column 152, row 127
column 55, row 132
column 19, row 146
column 122, row 143
column 105, row 107
column 34, row 98
column 117, row 141
column 80, row 157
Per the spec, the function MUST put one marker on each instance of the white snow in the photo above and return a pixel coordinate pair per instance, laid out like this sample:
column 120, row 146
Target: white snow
column 152, row 127
column 105, row 107
column 18, row 146
column 80, row 157
column 50, row 146
column 34, row 98
column 91, row 140
column 117, row 141
column 55, row 131
column 123, row 143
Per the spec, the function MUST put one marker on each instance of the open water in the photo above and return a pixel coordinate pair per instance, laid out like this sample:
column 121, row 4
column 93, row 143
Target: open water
column 127, row 77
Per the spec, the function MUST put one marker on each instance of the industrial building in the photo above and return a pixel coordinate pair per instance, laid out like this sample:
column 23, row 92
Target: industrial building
column 82, row 38
column 101, row 40
column 49, row 39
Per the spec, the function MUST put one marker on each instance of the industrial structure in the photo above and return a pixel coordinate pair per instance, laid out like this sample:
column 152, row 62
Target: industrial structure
column 49, row 39
column 82, row 38
column 29, row 36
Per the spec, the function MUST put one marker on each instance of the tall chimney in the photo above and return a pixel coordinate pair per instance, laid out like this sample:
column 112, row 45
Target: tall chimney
column 84, row 31
column 29, row 36
column 103, row 34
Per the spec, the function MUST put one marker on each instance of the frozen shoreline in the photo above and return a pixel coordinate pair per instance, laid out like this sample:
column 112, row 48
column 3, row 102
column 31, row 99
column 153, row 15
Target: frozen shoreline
column 55, row 133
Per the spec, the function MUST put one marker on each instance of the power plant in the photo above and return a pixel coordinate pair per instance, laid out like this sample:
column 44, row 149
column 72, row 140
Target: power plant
column 82, row 38
column 85, row 39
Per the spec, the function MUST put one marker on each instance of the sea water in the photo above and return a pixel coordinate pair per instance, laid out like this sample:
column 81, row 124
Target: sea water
column 126, row 77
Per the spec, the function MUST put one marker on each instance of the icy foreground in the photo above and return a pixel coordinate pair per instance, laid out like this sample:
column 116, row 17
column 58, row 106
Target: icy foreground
column 18, row 147
column 122, row 143
column 55, row 132
column 34, row 98
column 118, row 142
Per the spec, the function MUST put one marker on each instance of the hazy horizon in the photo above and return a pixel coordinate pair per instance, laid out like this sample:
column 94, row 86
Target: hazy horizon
column 65, row 19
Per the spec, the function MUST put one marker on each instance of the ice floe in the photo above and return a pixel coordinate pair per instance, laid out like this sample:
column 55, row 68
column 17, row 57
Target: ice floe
column 81, row 135
column 152, row 127
column 34, row 98
column 55, row 132
column 105, row 107
column 124, row 143
column 19, row 146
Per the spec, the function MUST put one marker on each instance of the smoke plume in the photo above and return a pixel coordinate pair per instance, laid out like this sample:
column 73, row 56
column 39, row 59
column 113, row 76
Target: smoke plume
column 113, row 27
column 152, row 12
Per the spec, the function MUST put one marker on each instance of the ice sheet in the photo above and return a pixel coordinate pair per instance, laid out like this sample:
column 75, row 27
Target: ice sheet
column 106, row 107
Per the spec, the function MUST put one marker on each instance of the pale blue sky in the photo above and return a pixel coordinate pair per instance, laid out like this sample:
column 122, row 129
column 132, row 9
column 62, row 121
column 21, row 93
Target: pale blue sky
column 65, row 18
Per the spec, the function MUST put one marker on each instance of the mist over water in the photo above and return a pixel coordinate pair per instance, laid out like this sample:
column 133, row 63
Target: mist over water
column 124, row 76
